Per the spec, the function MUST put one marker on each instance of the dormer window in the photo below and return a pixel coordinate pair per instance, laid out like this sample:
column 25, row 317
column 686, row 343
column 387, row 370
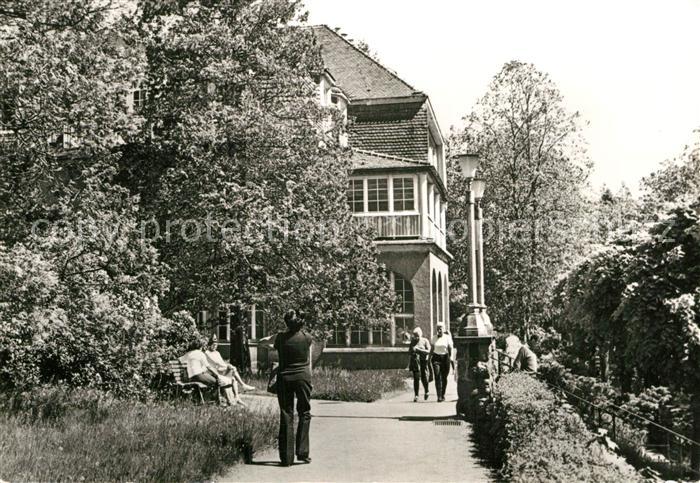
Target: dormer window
column 136, row 99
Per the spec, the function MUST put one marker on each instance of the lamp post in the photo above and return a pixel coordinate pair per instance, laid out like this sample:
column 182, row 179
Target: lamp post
column 475, row 338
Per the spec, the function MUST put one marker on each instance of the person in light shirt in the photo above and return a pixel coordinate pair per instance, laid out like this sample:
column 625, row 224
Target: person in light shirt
column 223, row 367
column 418, row 351
column 440, row 357
column 199, row 369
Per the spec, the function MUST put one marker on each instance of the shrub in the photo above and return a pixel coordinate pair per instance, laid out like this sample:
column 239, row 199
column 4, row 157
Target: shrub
column 529, row 436
column 104, row 333
column 58, row 434
column 335, row 384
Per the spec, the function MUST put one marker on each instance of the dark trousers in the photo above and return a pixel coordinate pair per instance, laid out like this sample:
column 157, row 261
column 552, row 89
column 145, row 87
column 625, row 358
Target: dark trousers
column 421, row 375
column 441, row 368
column 286, row 392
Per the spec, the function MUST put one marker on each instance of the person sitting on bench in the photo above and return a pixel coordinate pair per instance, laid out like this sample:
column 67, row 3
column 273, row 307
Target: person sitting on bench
column 223, row 367
column 200, row 370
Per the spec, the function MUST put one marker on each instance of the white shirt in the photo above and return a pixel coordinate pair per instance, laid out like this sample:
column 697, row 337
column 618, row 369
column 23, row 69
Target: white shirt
column 215, row 357
column 196, row 363
column 441, row 344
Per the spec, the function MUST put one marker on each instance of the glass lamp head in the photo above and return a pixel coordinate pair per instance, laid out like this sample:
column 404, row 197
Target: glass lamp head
column 478, row 186
column 468, row 163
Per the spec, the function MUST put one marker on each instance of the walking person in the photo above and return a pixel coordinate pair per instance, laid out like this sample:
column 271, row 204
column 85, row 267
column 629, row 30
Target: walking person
column 418, row 353
column 440, row 357
column 294, row 380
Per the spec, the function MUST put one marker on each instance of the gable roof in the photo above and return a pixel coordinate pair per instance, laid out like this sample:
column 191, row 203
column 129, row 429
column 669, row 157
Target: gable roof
column 360, row 76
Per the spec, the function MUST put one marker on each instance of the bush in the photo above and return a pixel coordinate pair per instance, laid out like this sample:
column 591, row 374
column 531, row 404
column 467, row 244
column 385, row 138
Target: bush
column 335, row 384
column 529, row 436
column 106, row 333
column 58, row 434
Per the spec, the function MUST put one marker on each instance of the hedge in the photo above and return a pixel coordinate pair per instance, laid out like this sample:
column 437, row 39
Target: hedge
column 527, row 434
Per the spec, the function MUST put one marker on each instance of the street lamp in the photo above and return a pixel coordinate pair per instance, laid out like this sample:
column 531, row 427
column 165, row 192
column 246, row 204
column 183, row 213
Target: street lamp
column 475, row 339
column 469, row 163
column 479, row 186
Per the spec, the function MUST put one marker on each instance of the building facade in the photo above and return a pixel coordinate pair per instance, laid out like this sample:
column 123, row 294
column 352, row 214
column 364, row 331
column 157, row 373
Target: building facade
column 397, row 185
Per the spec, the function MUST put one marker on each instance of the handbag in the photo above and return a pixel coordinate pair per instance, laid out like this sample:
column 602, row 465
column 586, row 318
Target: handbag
column 272, row 382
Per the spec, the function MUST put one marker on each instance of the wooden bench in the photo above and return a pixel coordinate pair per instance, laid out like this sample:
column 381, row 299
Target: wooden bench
column 181, row 384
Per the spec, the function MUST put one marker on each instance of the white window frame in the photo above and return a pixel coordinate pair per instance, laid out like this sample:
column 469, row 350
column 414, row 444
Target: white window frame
column 390, row 188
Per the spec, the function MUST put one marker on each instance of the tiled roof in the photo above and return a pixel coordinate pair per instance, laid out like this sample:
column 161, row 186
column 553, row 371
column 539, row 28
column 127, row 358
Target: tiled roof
column 405, row 137
column 360, row 76
column 362, row 159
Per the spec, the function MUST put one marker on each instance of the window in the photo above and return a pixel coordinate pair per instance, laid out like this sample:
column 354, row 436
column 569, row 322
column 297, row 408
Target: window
column 403, row 319
column 404, row 292
column 223, row 327
column 380, row 337
column 377, row 195
column 338, row 336
column 403, row 194
column 356, row 196
column 359, row 337
column 201, row 318
column 139, row 99
column 403, row 326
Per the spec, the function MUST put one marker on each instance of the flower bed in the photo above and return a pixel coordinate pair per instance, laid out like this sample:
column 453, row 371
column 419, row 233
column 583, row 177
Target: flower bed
column 53, row 434
column 335, row 384
column 528, row 436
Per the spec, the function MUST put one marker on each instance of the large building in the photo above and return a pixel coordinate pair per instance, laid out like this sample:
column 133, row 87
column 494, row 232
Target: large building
column 396, row 185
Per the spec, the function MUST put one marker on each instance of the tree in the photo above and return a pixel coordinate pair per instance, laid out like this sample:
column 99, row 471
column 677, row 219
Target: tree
column 237, row 155
column 536, row 170
column 677, row 181
column 79, row 288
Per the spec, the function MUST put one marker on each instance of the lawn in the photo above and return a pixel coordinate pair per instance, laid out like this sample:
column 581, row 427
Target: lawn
column 96, row 438
column 343, row 385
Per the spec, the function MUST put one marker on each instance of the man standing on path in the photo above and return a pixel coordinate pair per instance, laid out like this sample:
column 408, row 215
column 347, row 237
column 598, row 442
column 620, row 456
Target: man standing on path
column 441, row 355
column 294, row 379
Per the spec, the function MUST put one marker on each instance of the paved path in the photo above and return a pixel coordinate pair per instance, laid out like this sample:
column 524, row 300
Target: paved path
column 393, row 439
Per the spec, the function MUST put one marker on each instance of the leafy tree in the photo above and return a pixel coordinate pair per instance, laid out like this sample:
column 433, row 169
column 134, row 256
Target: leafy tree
column 677, row 181
column 659, row 308
column 80, row 287
column 234, row 144
column 536, row 169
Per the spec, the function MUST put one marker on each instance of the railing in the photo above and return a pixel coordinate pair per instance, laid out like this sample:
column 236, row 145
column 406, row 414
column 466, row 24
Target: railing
column 606, row 417
column 392, row 226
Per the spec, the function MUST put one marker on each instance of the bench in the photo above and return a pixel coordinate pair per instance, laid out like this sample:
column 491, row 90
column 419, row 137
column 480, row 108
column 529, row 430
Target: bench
column 180, row 383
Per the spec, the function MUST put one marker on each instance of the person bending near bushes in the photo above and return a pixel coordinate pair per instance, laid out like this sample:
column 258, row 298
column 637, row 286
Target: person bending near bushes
column 418, row 353
column 440, row 357
column 294, row 380
column 224, row 368
column 524, row 360
column 200, row 370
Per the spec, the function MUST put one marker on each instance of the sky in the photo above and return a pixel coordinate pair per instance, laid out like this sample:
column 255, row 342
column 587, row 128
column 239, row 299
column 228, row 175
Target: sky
column 631, row 68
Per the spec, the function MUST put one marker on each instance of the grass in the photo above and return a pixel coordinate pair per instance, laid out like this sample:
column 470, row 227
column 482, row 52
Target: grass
column 334, row 384
column 91, row 436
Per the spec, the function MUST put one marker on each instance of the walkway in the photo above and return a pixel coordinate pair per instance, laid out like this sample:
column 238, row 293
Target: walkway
column 393, row 439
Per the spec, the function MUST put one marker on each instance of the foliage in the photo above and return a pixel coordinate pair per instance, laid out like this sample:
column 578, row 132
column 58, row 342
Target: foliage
column 361, row 386
column 333, row 384
column 536, row 170
column 677, row 181
column 57, row 434
column 632, row 434
column 229, row 131
column 239, row 157
column 529, row 436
